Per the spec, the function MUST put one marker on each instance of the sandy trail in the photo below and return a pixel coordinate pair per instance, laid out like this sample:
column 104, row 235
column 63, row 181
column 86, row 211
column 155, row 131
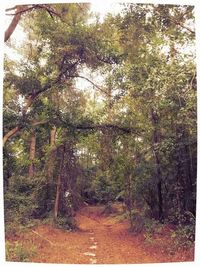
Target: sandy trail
column 113, row 241
column 100, row 240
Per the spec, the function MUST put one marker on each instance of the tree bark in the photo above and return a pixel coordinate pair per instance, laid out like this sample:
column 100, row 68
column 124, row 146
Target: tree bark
column 156, row 140
column 50, row 163
column 29, row 101
column 20, row 9
column 32, row 155
column 59, row 184
column 15, row 130
column 10, row 134
column 130, row 199
column 185, row 174
column 160, row 201
column 13, row 23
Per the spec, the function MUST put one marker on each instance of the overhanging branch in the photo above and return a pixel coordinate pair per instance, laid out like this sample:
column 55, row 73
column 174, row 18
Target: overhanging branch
column 87, row 79
column 112, row 127
column 26, row 8
column 21, row 9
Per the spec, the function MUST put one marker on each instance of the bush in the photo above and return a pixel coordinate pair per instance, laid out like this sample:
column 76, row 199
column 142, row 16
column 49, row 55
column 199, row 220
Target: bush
column 17, row 252
column 103, row 190
column 140, row 223
column 184, row 233
column 137, row 222
column 66, row 223
column 151, row 227
column 184, row 236
column 26, row 199
column 18, row 200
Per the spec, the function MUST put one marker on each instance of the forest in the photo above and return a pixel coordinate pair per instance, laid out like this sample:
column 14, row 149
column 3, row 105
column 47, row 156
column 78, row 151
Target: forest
column 100, row 132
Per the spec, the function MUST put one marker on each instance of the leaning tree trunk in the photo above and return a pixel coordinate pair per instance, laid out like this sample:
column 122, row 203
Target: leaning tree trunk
column 32, row 155
column 10, row 134
column 13, row 23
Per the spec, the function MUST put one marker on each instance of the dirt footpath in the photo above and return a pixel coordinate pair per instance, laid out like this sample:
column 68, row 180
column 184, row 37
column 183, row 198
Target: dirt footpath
column 101, row 239
column 111, row 240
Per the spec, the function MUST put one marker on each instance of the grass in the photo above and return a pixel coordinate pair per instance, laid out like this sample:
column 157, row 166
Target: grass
column 18, row 253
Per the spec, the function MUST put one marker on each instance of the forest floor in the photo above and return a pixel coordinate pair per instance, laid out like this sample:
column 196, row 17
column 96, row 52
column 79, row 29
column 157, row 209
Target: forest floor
column 101, row 239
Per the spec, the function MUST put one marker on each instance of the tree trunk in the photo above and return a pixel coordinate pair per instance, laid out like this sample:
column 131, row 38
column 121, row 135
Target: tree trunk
column 156, row 140
column 49, row 168
column 185, row 174
column 10, row 134
column 59, row 183
column 32, row 155
column 17, row 129
column 29, row 102
column 130, row 200
column 160, row 201
column 13, row 23
column 159, row 187
column 51, row 159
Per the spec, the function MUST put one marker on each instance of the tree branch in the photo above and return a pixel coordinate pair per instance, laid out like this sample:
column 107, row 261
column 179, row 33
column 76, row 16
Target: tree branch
column 36, row 233
column 17, row 129
column 10, row 134
column 13, row 24
column 12, row 8
column 182, row 26
column 97, row 127
column 22, row 9
column 87, row 79
column 20, row 12
column 36, row 123
column 49, row 9
column 105, row 126
column 29, row 101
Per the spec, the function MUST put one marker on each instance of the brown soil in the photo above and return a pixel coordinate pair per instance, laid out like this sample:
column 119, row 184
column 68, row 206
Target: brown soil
column 100, row 239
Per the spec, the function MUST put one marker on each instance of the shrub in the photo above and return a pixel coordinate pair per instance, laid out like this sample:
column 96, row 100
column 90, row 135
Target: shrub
column 152, row 227
column 18, row 200
column 184, row 235
column 17, row 252
column 66, row 223
column 137, row 222
column 26, row 199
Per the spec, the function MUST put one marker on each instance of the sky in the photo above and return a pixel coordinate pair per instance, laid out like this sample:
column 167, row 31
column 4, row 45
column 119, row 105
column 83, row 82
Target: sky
column 106, row 7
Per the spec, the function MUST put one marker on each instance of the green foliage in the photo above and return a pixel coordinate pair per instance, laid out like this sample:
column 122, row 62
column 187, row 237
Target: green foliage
column 66, row 223
column 28, row 85
column 18, row 252
column 183, row 236
column 18, row 203
column 137, row 221
column 103, row 189
column 152, row 227
column 26, row 199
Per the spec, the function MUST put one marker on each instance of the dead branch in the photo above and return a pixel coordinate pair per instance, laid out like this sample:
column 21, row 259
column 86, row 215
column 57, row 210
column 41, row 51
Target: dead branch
column 43, row 237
